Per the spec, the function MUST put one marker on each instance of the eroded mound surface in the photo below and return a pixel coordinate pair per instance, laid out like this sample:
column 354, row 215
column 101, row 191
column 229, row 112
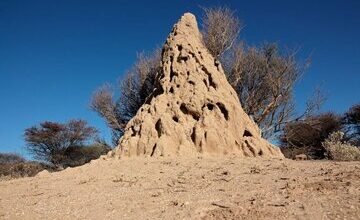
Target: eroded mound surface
column 193, row 108
column 188, row 188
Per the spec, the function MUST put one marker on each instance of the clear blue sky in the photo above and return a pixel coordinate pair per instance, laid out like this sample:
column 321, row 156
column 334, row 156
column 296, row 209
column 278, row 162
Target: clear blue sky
column 54, row 54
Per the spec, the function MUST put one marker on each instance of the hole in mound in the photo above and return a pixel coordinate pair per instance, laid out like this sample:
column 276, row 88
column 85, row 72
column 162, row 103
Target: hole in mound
column 252, row 150
column 186, row 111
column 210, row 106
column 210, row 79
column 153, row 150
column 171, row 90
column 261, row 153
column 205, row 82
column 158, row 91
column 211, row 82
column 176, row 119
column 191, row 82
column 247, row 134
column 193, row 135
column 178, row 86
column 188, row 73
column 223, row 110
column 179, row 47
column 183, row 109
column 182, row 58
column 158, row 127
column 133, row 133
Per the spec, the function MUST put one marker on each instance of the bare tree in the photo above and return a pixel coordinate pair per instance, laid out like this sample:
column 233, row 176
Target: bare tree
column 263, row 77
column 48, row 141
column 103, row 103
column 264, row 80
column 220, row 29
column 136, row 86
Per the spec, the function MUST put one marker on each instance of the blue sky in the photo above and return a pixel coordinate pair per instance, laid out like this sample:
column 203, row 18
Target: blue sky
column 54, row 54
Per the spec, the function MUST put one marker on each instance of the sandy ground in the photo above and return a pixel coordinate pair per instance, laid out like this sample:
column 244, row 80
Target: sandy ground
column 180, row 188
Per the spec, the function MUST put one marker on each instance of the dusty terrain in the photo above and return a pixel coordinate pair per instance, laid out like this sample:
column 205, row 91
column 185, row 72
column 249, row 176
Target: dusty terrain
column 188, row 188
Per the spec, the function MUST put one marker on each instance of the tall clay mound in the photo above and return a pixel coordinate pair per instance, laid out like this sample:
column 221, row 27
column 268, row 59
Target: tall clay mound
column 193, row 109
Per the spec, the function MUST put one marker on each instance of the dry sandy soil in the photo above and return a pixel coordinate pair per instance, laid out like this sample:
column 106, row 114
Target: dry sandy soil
column 183, row 188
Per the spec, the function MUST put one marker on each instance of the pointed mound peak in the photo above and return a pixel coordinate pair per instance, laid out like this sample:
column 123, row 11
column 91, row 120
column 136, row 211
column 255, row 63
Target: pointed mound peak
column 187, row 21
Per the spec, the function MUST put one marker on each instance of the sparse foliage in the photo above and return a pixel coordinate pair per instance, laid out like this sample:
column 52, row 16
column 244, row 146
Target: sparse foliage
column 264, row 77
column 134, row 89
column 264, row 80
column 220, row 29
column 48, row 141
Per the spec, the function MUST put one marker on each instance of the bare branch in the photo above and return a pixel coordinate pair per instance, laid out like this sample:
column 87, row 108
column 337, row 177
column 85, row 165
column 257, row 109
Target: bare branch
column 220, row 29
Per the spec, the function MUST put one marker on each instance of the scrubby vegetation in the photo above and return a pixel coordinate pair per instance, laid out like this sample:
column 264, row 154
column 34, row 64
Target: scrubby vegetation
column 306, row 136
column 8, row 158
column 338, row 149
column 324, row 136
column 23, row 169
column 15, row 166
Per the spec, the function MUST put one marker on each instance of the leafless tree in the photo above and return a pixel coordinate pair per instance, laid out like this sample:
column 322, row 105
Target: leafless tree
column 220, row 29
column 134, row 88
column 264, row 80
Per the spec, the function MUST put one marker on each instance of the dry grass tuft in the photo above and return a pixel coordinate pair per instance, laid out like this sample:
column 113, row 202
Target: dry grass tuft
column 339, row 150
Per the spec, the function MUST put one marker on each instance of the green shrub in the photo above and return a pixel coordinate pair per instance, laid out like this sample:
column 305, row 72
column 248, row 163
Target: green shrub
column 337, row 149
